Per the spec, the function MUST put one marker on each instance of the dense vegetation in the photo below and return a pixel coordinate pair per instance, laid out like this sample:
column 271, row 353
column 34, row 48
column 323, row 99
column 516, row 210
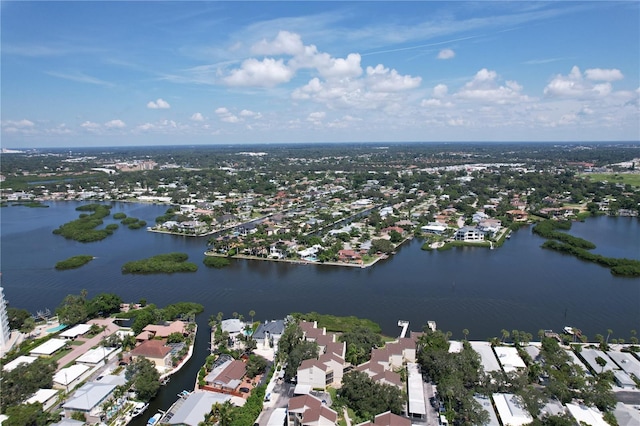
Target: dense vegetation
column 144, row 378
column 338, row 324
column 162, row 263
column 74, row 262
column 293, row 349
column 24, row 380
column 368, row 398
column 151, row 314
column 75, row 309
column 216, row 261
column 578, row 247
column 83, row 229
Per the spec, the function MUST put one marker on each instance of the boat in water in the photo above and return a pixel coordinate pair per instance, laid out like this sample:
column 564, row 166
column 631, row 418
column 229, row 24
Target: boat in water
column 139, row 408
column 155, row 419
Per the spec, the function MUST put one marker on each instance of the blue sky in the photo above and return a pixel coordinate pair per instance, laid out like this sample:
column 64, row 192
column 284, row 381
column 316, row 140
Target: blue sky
column 183, row 73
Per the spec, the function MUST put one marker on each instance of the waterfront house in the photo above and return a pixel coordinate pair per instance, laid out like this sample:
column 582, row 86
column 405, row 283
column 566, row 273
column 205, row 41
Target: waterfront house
column 387, row 419
column 469, row 234
column 517, row 215
column 76, row 331
column 307, row 410
column 227, row 376
column 509, row 358
column 511, row 409
column 192, row 410
column 349, row 256
column 89, row 398
column 162, row 331
column 155, row 351
column 268, row 333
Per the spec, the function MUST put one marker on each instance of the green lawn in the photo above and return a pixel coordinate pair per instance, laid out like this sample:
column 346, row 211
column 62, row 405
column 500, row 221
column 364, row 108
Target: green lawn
column 630, row 178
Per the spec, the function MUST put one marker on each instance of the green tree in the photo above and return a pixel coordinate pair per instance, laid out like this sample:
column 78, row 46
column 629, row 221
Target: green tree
column 144, row 378
column 360, row 341
column 28, row 325
column 16, row 317
column 256, row 365
column 24, row 380
column 73, row 309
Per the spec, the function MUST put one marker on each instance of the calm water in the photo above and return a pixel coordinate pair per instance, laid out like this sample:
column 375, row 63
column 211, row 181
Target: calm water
column 519, row 286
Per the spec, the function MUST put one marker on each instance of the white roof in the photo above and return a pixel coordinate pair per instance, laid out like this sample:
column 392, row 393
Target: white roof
column 590, row 355
column 487, row 357
column 69, row 374
column 232, row 325
column 511, row 409
column 94, row 356
column 278, row 417
column 455, row 346
column 42, row 396
column 509, row 358
column 627, row 362
column 49, row 347
column 415, row 390
column 195, row 407
column 586, row 415
column 22, row 359
column 76, row 331
column 577, row 361
column 488, row 407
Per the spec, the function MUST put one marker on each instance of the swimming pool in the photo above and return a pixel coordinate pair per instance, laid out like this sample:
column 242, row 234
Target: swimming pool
column 56, row 329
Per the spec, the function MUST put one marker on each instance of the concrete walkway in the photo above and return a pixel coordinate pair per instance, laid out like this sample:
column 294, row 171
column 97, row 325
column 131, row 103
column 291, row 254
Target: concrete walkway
column 79, row 350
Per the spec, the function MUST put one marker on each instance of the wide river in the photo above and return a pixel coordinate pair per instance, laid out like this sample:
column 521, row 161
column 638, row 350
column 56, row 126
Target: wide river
column 518, row 286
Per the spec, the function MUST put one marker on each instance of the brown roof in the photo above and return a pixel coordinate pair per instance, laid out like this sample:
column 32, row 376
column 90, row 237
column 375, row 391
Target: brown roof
column 234, row 371
column 166, row 330
column 312, row 409
column 151, row 349
column 387, row 419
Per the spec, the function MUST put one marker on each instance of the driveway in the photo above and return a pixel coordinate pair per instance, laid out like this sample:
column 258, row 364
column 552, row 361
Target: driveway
column 79, row 350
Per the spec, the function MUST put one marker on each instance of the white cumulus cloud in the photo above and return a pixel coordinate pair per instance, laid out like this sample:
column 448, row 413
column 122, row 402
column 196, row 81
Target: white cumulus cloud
column 574, row 85
column 600, row 74
column 446, row 54
column 197, row 117
column 484, row 87
column 227, row 116
column 20, row 124
column 266, row 73
column 285, row 43
column 158, row 104
column 381, row 79
column 115, row 124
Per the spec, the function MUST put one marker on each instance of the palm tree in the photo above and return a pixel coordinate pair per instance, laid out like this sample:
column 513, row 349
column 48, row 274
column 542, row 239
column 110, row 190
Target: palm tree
column 219, row 316
column 466, row 333
column 609, row 333
column 505, row 335
column 252, row 314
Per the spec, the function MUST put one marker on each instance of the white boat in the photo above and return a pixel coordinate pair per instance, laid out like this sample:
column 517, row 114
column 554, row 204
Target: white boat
column 155, row 419
column 568, row 330
column 139, row 408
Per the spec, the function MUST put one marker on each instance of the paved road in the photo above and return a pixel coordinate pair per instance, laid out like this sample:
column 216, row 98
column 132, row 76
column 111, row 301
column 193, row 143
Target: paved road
column 77, row 351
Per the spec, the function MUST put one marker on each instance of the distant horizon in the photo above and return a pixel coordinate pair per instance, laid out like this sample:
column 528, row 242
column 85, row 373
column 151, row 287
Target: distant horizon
column 271, row 144
column 78, row 74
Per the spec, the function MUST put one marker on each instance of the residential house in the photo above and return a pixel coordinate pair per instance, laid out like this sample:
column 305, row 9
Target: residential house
column 269, row 333
column 307, row 410
column 154, row 331
column 227, row 376
column 155, row 351
column 349, row 256
column 469, row 234
column 387, row 419
column 89, row 398
column 195, row 407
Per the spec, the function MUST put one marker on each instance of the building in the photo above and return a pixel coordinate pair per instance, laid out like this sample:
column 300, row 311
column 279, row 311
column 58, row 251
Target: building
column 586, row 415
column 487, row 356
column 509, row 358
column 49, row 347
column 268, row 333
column 387, row 419
column 417, row 408
column 307, row 410
column 469, row 234
column 155, row 351
column 511, row 409
column 5, row 333
column 227, row 376
column 89, row 398
column 195, row 407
